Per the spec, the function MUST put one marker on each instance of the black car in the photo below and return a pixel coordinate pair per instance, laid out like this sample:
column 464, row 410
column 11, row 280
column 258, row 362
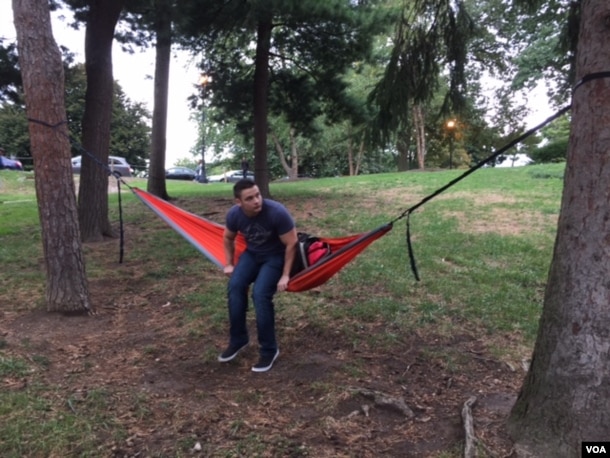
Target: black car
column 180, row 173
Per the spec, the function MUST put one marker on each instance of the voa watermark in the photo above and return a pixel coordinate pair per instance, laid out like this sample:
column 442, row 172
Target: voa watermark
column 590, row 449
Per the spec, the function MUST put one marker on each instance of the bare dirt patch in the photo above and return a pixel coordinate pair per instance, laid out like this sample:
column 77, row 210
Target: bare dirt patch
column 497, row 213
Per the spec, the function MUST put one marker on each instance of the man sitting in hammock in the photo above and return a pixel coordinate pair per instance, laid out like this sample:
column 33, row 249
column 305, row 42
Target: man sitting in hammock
column 271, row 239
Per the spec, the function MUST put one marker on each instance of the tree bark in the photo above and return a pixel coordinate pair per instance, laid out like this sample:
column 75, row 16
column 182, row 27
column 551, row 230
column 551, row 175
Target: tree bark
column 403, row 161
column 43, row 83
column 403, row 143
column 565, row 398
column 292, row 169
column 261, row 90
column 163, row 28
column 294, row 155
column 419, row 123
column 280, row 152
column 359, row 158
column 350, row 151
column 93, row 187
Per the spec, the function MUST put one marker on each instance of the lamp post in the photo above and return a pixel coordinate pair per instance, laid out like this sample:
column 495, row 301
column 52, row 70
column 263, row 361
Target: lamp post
column 204, row 80
column 451, row 128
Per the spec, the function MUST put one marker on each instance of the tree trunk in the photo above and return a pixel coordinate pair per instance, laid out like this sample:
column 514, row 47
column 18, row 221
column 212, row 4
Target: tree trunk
column 403, row 162
column 261, row 85
column 93, row 189
column 420, row 135
column 280, row 152
column 565, row 398
column 43, row 83
column 350, row 151
column 163, row 28
column 292, row 169
column 294, row 155
column 359, row 158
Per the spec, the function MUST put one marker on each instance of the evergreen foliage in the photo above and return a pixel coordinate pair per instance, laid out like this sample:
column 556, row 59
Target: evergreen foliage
column 429, row 37
column 10, row 75
column 328, row 58
column 313, row 45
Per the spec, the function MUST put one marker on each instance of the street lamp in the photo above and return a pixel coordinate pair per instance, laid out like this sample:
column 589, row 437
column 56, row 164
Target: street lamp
column 204, row 80
column 451, row 127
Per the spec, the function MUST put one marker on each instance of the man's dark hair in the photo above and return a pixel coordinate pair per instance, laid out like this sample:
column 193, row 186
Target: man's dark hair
column 241, row 185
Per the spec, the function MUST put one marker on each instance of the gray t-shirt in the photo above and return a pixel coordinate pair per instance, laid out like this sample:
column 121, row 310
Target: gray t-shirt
column 262, row 232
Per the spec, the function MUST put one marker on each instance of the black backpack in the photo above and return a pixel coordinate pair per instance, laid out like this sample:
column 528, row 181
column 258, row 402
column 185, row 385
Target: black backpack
column 310, row 250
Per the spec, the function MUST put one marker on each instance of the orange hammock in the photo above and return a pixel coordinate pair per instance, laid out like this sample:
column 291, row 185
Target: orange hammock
column 207, row 235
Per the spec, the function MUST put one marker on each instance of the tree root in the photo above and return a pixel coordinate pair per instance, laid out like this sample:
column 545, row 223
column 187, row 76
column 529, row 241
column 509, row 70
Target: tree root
column 470, row 440
column 383, row 400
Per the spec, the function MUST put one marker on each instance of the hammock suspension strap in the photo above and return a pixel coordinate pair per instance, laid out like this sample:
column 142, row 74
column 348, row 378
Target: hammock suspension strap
column 406, row 214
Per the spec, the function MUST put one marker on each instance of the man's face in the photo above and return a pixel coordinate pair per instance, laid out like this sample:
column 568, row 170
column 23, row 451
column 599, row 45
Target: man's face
column 250, row 201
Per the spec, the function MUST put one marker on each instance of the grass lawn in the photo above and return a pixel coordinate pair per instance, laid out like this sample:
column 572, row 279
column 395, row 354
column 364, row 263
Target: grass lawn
column 140, row 378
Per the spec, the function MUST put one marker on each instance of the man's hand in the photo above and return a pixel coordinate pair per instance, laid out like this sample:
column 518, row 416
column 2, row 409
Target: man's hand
column 228, row 241
column 283, row 283
column 289, row 239
column 228, row 269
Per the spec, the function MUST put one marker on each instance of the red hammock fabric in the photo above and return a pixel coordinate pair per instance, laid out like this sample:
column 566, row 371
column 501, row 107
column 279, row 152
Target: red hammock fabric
column 206, row 236
column 342, row 250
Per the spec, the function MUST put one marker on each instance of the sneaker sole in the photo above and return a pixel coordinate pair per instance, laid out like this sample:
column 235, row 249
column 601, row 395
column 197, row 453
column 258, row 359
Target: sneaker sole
column 229, row 358
column 266, row 368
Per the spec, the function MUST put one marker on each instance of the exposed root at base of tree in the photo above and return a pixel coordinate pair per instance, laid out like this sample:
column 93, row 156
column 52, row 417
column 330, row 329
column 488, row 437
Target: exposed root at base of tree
column 384, row 400
column 470, row 440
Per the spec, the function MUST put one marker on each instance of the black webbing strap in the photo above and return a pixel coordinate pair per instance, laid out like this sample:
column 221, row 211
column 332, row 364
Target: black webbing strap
column 408, row 211
column 121, row 230
column 410, row 248
column 476, row 167
column 483, row 162
column 590, row 77
column 111, row 172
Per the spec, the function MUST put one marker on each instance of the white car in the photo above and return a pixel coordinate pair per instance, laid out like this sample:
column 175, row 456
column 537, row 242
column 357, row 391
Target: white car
column 231, row 176
column 116, row 164
column 515, row 160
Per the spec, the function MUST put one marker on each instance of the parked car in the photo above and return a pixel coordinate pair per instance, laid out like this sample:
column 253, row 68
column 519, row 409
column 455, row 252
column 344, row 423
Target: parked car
column 513, row 160
column 232, row 176
column 10, row 164
column 180, row 173
column 117, row 164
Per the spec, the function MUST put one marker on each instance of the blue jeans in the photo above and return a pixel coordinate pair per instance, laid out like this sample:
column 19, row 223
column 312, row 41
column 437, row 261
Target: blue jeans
column 264, row 271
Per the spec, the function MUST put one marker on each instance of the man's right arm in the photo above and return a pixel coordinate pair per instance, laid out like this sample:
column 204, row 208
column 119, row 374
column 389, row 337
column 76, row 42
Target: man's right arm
column 228, row 240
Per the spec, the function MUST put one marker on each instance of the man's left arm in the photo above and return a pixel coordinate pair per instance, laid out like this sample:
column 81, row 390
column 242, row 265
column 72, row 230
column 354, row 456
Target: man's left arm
column 289, row 239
